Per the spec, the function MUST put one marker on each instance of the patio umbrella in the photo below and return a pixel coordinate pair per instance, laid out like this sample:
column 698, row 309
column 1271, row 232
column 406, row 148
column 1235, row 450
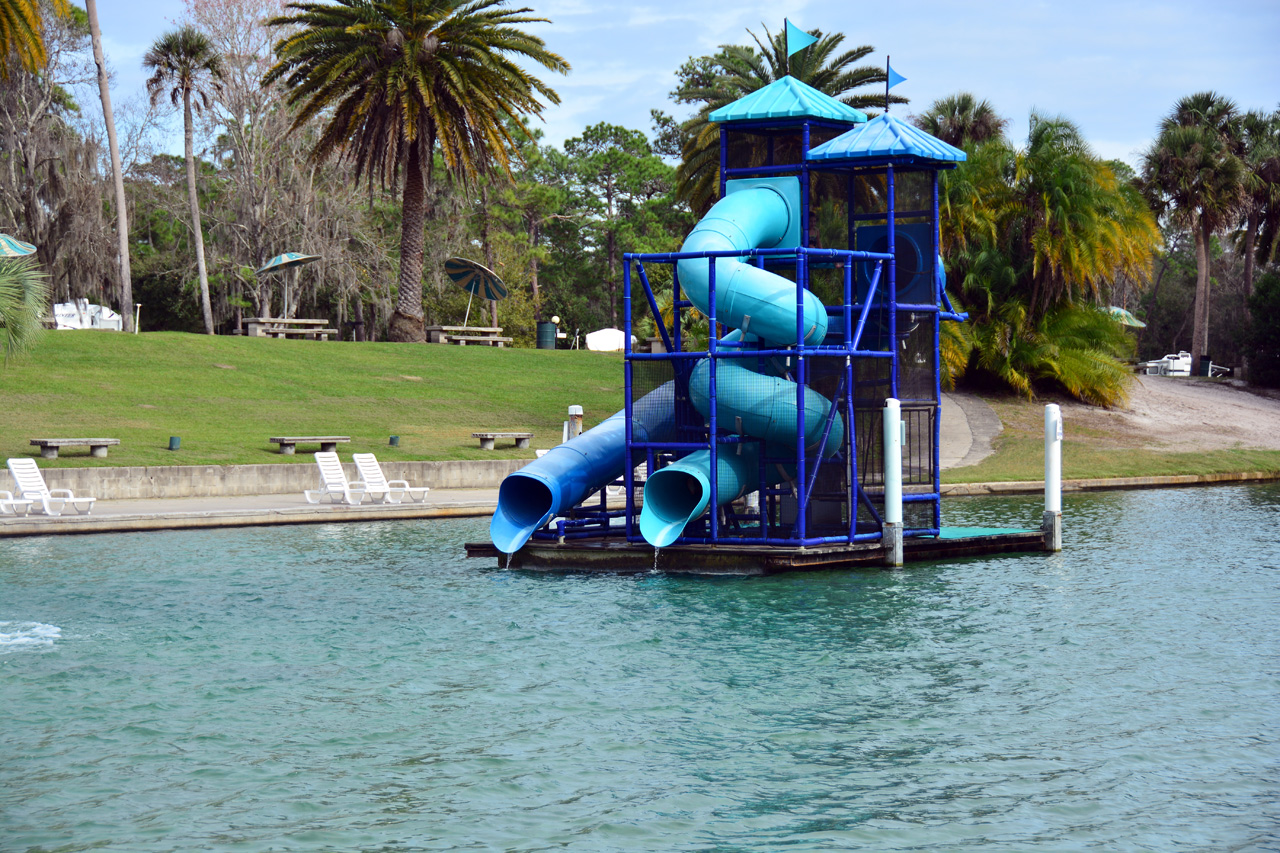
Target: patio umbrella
column 1125, row 318
column 12, row 248
column 476, row 280
column 287, row 261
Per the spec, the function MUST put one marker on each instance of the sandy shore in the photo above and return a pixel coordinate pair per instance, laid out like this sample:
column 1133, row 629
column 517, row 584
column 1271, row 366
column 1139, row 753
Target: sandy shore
column 1177, row 414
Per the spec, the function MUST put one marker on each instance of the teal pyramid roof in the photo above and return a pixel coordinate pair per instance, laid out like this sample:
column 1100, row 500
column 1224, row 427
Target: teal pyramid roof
column 787, row 97
column 887, row 136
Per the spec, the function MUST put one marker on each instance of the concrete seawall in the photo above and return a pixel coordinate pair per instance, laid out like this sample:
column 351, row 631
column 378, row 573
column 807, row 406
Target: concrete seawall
column 207, row 481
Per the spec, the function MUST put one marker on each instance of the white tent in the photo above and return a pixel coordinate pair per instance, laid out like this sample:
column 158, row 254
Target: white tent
column 81, row 315
column 608, row 340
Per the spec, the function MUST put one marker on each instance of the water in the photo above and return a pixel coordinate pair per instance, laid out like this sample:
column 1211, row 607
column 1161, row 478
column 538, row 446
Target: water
column 367, row 688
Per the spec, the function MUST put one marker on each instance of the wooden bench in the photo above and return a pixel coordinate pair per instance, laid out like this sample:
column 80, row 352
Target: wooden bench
column 278, row 327
column 462, row 335
column 486, row 438
column 328, row 443
column 97, row 446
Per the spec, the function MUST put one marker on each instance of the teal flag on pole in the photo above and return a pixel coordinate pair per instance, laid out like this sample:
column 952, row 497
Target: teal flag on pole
column 894, row 77
column 797, row 39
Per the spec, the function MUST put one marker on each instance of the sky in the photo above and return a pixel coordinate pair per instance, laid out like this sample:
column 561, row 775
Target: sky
column 1114, row 67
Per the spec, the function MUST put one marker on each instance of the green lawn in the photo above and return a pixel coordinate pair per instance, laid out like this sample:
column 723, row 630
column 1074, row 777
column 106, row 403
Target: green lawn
column 226, row 395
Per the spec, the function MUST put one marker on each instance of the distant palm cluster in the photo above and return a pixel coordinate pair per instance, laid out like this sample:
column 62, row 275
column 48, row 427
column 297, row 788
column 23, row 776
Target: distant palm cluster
column 386, row 137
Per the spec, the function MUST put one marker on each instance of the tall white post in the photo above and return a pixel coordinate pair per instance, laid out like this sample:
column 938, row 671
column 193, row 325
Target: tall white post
column 892, row 532
column 575, row 421
column 1052, row 525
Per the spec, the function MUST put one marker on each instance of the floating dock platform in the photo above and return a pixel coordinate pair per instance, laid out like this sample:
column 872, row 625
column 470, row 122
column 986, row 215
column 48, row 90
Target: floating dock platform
column 615, row 555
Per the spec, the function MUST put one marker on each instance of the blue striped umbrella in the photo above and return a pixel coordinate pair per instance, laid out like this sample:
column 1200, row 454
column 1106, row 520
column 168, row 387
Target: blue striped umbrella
column 476, row 280
column 287, row 261
column 11, row 248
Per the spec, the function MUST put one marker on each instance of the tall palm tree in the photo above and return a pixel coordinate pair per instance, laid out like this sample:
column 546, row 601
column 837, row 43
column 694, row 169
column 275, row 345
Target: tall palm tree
column 1193, row 174
column 394, row 79
column 21, row 33
column 739, row 70
column 1260, row 153
column 962, row 120
column 184, row 63
column 117, row 175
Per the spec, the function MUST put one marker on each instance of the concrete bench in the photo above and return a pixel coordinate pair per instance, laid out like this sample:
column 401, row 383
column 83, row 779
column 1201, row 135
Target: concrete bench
column 97, row 446
column 322, row 334
column 486, row 340
column 328, row 443
column 486, row 438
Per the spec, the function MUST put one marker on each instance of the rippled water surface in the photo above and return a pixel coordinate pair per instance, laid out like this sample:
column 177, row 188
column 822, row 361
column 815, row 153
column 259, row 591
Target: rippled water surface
column 367, row 688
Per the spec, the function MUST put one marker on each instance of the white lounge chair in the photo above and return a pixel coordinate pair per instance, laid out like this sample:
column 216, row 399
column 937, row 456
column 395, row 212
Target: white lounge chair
column 31, row 487
column 11, row 506
column 379, row 488
column 333, row 482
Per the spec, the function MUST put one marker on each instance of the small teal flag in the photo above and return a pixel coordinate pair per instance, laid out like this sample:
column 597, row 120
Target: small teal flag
column 894, row 77
column 797, row 39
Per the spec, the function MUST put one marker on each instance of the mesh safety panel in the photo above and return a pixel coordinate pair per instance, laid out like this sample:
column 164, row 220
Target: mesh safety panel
column 916, row 378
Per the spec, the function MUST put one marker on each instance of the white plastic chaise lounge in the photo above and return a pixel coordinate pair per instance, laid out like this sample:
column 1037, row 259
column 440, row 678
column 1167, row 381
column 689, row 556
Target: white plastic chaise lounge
column 31, row 487
column 333, row 482
column 377, row 485
column 9, row 505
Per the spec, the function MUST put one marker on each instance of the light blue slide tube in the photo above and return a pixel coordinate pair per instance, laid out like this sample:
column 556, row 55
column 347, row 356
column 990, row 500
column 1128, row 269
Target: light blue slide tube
column 748, row 297
column 680, row 492
column 560, row 480
column 750, row 403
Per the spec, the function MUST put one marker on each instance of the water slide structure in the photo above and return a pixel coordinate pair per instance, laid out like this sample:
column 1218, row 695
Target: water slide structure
column 783, row 405
column 761, row 306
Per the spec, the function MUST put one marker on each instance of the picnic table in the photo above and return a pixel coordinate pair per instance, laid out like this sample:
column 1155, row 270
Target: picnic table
column 486, row 438
column 328, row 443
column 279, row 327
column 490, row 336
column 97, row 446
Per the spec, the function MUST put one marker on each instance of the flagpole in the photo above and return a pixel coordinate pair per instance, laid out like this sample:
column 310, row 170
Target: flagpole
column 886, row 83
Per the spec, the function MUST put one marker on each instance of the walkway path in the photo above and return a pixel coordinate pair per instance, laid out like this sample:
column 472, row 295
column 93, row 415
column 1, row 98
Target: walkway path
column 969, row 426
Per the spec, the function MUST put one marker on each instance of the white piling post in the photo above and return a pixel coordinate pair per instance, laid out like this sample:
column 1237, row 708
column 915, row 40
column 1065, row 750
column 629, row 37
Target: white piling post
column 575, row 421
column 1052, row 524
column 893, row 482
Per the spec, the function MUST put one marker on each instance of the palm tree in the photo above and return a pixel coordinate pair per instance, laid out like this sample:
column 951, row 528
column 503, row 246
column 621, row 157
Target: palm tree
column 962, row 120
column 24, row 300
column 21, row 33
column 1084, row 228
column 122, row 213
column 1034, row 236
column 739, row 70
column 184, row 63
column 1260, row 137
column 1193, row 174
column 392, row 79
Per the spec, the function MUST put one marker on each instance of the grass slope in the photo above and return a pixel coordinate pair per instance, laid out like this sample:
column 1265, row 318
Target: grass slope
column 226, row 395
